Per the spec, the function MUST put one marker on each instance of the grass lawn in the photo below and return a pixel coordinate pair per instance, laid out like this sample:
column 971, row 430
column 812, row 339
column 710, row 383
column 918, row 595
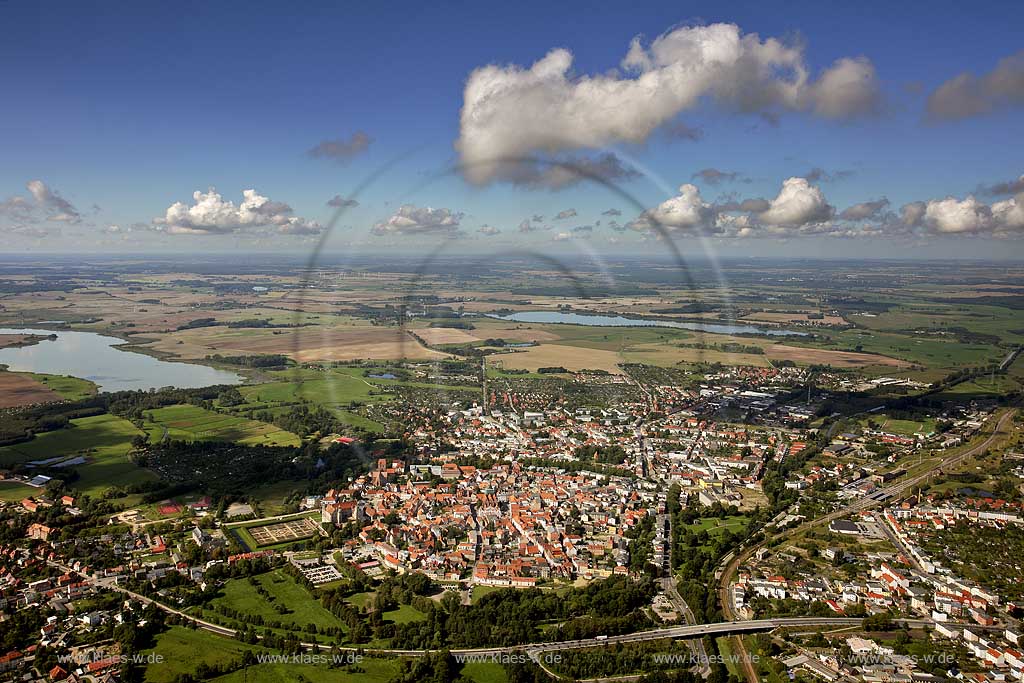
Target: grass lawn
column 70, row 388
column 725, row 649
column 360, row 599
column 404, row 615
column 10, row 490
column 981, row 387
column 357, row 420
column 715, row 526
column 192, row 423
column 481, row 591
column 184, row 648
column 104, row 440
column 485, row 672
column 238, row 594
column 369, row 671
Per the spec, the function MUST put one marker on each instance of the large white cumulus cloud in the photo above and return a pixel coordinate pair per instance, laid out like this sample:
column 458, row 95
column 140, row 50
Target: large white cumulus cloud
column 510, row 112
column 799, row 208
column 212, row 214
column 685, row 212
column 951, row 215
column 968, row 216
column 798, row 203
column 1009, row 214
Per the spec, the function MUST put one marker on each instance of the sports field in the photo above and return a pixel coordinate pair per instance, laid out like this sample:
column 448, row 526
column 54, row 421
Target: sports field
column 192, row 423
column 890, row 425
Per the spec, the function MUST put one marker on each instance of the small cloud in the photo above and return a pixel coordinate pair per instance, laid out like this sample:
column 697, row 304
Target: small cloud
column 340, row 150
column 713, row 176
column 44, row 205
column 413, row 220
column 562, row 215
column 489, row 230
column 339, row 202
column 1008, row 187
column 678, row 130
column 820, row 175
column 865, row 210
column 611, row 212
column 967, row 95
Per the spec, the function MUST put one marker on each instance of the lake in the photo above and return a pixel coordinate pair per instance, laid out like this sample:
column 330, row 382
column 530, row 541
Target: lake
column 94, row 357
column 619, row 321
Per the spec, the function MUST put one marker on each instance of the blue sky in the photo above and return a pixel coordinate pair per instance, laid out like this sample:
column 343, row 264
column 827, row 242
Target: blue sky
column 133, row 107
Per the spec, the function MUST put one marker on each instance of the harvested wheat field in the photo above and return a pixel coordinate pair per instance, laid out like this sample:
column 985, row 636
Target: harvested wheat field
column 783, row 318
column 303, row 343
column 444, row 335
column 556, row 355
column 842, row 359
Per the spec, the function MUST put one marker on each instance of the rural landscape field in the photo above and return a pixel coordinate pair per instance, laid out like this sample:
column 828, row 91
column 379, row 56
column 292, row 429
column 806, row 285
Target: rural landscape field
column 664, row 342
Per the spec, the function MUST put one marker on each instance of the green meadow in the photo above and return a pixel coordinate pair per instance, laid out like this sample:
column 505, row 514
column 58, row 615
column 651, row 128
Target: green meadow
column 192, row 423
column 104, row 440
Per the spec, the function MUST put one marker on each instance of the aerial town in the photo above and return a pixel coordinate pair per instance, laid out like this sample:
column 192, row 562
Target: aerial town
column 679, row 482
column 490, row 342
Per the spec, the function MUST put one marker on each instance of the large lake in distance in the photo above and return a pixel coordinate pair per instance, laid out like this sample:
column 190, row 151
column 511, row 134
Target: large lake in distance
column 93, row 357
column 619, row 321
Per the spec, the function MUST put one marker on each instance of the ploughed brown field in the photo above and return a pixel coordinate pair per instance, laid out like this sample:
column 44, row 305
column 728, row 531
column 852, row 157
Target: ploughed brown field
column 19, row 390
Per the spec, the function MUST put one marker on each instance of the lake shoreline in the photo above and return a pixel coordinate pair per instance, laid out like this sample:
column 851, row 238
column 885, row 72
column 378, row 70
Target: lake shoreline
column 108, row 361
